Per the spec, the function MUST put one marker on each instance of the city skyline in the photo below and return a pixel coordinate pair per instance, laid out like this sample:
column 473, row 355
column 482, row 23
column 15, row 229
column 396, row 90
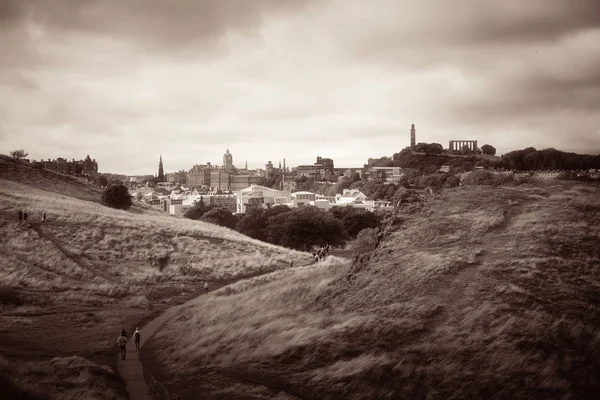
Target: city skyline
column 343, row 79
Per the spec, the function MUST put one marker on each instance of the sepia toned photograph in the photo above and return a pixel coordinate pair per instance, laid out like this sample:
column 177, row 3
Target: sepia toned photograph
column 299, row 199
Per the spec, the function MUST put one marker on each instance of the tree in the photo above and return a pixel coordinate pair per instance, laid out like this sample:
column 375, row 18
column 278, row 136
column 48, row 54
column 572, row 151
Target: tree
column 488, row 149
column 253, row 224
column 220, row 216
column 366, row 240
column 198, row 210
column 357, row 220
column 117, row 196
column 102, row 181
column 18, row 154
column 305, row 227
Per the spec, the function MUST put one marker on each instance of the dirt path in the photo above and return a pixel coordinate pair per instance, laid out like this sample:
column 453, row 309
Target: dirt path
column 131, row 369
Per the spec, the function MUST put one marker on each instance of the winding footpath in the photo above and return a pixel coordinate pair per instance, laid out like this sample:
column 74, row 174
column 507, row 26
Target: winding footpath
column 131, row 369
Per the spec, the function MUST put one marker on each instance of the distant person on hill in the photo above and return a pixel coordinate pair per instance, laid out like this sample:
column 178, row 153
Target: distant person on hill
column 291, row 263
column 44, row 217
column 122, row 342
column 25, row 216
column 20, row 214
column 206, row 287
column 136, row 338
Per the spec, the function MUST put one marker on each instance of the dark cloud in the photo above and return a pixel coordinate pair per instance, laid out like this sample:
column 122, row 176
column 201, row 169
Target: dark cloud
column 150, row 24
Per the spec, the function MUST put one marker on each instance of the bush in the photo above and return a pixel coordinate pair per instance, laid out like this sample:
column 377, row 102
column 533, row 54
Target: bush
column 366, row 240
column 220, row 216
column 117, row 196
column 479, row 178
column 252, row 224
column 305, row 227
column 358, row 220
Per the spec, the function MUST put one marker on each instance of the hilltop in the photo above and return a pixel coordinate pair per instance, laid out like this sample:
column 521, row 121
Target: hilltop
column 69, row 285
column 40, row 178
column 485, row 293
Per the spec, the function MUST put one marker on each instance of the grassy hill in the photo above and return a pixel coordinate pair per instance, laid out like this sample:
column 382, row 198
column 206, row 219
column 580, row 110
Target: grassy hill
column 485, row 293
column 69, row 285
column 25, row 173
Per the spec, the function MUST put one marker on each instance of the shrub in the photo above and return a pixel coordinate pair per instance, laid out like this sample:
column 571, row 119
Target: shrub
column 117, row 196
column 366, row 240
column 479, row 178
column 305, row 227
column 220, row 216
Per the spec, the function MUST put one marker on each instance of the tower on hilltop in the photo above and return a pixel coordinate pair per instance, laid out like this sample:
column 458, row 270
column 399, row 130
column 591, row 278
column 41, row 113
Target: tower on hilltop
column 413, row 138
column 227, row 161
column 161, row 172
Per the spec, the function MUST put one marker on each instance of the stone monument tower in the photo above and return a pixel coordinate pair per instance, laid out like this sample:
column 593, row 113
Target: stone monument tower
column 413, row 138
column 227, row 161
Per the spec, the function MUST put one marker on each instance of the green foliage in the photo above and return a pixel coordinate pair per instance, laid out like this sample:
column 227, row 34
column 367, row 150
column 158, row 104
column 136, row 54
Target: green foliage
column 18, row 154
column 366, row 240
column 220, row 216
column 429, row 148
column 488, row 149
column 102, row 181
column 198, row 210
column 358, row 219
column 253, row 224
column 117, row 196
column 548, row 159
column 305, row 227
column 482, row 177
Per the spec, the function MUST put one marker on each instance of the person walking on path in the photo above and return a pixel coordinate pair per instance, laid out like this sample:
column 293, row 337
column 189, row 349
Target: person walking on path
column 25, row 216
column 122, row 342
column 20, row 214
column 44, row 217
column 206, row 287
column 136, row 338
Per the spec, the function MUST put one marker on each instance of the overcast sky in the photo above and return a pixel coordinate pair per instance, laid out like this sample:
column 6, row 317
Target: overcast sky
column 128, row 80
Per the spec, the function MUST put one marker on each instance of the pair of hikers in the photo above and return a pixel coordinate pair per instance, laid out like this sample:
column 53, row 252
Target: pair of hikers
column 23, row 216
column 122, row 341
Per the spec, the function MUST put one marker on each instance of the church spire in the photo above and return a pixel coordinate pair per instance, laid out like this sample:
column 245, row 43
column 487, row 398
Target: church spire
column 161, row 172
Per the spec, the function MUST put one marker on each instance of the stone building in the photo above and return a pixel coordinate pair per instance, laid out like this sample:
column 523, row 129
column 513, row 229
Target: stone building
column 61, row 165
column 227, row 161
column 322, row 170
column 459, row 145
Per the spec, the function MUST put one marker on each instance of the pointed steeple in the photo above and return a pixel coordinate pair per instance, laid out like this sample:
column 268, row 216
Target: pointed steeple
column 161, row 172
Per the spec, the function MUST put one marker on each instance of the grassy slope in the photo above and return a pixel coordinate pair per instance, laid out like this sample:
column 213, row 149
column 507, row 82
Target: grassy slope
column 486, row 293
column 22, row 172
column 67, row 287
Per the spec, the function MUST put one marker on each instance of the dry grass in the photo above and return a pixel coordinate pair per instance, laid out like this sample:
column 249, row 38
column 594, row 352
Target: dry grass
column 90, row 270
column 77, row 377
column 488, row 293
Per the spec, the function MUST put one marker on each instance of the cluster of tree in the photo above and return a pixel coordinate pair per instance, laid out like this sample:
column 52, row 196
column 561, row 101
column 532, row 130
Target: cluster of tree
column 488, row 150
column 300, row 228
column 548, row 159
column 117, row 196
column 429, row 148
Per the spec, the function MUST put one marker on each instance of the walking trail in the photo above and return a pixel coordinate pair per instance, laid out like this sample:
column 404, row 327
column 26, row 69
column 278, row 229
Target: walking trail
column 131, row 369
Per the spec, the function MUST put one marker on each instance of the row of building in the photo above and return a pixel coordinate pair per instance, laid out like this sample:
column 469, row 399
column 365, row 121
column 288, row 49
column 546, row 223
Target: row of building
column 85, row 167
column 180, row 200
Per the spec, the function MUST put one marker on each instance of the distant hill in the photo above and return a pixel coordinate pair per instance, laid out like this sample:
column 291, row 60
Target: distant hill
column 485, row 293
column 40, row 178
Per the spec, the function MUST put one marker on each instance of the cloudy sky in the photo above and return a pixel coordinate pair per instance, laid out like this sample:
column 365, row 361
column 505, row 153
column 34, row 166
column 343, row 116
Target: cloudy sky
column 128, row 80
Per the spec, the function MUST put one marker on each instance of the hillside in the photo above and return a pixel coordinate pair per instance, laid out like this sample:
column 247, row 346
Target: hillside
column 69, row 285
column 24, row 173
column 485, row 293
